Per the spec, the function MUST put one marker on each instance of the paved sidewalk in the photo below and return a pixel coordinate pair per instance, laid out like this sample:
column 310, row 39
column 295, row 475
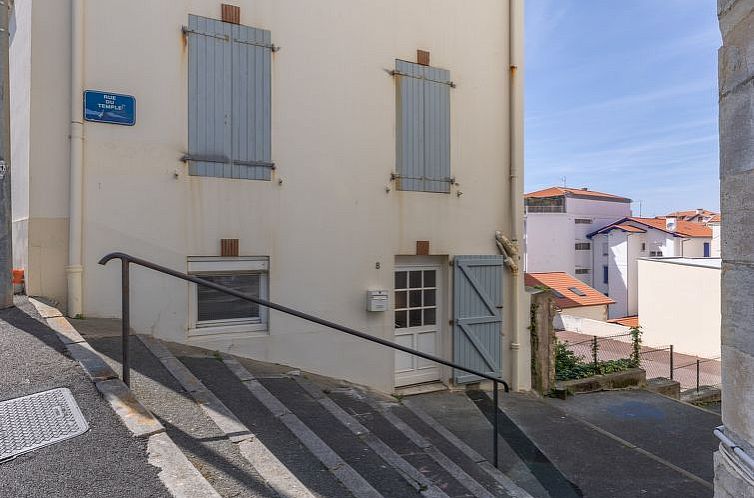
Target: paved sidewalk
column 105, row 461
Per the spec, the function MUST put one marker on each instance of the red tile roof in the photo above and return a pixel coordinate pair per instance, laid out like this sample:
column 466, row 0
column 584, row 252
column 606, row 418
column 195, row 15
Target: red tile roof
column 626, row 321
column 691, row 213
column 630, row 228
column 715, row 219
column 574, row 192
column 683, row 228
column 561, row 282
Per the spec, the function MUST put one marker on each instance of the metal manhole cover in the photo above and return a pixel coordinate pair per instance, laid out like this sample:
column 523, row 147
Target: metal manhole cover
column 38, row 420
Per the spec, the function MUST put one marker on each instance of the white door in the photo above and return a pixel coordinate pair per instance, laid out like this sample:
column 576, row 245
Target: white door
column 417, row 317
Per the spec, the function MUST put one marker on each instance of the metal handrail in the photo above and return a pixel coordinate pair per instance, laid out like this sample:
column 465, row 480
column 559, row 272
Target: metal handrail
column 127, row 259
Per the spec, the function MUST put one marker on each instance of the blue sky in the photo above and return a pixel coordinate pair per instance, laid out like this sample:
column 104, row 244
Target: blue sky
column 621, row 97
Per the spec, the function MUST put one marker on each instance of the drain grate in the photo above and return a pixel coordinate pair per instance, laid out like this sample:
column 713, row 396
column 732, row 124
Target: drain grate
column 38, row 420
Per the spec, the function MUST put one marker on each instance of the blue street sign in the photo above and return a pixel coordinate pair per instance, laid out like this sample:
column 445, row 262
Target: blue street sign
column 108, row 107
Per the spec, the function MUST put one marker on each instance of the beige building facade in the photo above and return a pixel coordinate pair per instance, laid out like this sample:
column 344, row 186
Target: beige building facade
column 336, row 152
column 679, row 304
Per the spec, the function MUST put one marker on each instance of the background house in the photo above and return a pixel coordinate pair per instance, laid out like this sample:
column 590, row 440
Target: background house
column 666, row 283
column 698, row 215
column 557, row 222
column 327, row 146
column 572, row 296
column 618, row 246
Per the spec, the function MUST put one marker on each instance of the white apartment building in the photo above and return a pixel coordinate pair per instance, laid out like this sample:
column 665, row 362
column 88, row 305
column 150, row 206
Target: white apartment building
column 618, row 246
column 557, row 222
column 715, row 223
column 336, row 149
column 665, row 282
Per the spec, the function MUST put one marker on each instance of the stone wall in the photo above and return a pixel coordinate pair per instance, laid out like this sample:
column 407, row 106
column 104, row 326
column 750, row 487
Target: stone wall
column 736, row 86
column 542, row 341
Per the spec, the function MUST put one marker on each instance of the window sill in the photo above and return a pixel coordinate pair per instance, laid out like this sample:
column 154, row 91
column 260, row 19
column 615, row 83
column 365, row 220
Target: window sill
column 249, row 329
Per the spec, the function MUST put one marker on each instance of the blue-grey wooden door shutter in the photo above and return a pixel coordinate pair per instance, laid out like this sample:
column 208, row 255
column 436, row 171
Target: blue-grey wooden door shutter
column 229, row 100
column 477, row 315
column 252, row 95
column 423, row 127
column 209, row 96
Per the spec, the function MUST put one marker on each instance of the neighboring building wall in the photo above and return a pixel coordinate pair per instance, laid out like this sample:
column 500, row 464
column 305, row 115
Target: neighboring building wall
column 40, row 131
column 591, row 312
column 20, row 103
column 551, row 237
column 667, row 285
column 737, row 201
column 588, row 326
column 715, row 244
column 326, row 221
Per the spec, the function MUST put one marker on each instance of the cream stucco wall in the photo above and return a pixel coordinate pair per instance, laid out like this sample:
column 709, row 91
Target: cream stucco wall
column 326, row 220
column 679, row 304
column 591, row 312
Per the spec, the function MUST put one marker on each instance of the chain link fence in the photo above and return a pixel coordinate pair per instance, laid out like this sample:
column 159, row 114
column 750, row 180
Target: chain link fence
column 579, row 356
column 576, row 359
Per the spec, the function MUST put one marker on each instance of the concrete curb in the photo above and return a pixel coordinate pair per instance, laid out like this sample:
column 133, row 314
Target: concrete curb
column 177, row 474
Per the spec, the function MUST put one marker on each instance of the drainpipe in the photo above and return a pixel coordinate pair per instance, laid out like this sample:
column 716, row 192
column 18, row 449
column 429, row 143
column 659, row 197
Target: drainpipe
column 516, row 159
column 74, row 270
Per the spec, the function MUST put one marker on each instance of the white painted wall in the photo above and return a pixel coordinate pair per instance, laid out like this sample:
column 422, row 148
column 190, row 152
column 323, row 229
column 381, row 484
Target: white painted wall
column 582, row 325
column 715, row 244
column 664, row 285
column 592, row 312
column 550, row 243
column 330, row 221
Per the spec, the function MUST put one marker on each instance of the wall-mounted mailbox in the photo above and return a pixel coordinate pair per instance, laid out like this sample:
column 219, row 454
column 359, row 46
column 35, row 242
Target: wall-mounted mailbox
column 377, row 300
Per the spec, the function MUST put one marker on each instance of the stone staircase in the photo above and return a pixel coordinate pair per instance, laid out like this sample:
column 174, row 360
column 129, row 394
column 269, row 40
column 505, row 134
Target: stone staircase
column 255, row 429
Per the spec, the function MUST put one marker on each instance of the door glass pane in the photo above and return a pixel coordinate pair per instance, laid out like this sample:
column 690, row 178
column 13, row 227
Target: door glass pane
column 429, row 316
column 216, row 305
column 429, row 278
column 415, row 279
column 415, row 298
column 400, row 319
column 400, row 279
column 415, row 318
column 429, row 297
column 400, row 300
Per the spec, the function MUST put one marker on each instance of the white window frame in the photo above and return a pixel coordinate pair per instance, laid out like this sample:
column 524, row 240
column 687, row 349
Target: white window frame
column 211, row 265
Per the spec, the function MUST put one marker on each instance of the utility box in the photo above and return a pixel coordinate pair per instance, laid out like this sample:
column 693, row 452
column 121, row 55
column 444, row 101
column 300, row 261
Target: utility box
column 377, row 300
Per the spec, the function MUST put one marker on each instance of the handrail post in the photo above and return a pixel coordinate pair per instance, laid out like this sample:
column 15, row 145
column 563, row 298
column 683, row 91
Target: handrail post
column 671, row 362
column 125, row 319
column 495, row 424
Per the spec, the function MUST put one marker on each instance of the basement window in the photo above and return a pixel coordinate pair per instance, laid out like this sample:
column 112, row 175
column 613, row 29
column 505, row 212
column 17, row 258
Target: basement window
column 214, row 312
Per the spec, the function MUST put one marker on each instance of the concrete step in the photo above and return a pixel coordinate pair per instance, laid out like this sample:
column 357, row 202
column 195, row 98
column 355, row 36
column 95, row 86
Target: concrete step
column 462, row 423
column 253, row 429
column 217, row 458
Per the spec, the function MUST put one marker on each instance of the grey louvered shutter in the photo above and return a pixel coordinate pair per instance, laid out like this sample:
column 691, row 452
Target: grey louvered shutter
column 423, row 127
column 477, row 315
column 209, row 96
column 252, row 95
column 229, row 100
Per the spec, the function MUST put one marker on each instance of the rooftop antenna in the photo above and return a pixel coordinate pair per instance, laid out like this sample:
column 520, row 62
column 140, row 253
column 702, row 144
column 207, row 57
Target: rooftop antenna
column 563, row 178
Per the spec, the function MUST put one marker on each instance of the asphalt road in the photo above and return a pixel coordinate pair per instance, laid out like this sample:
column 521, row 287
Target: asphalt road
column 106, row 461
